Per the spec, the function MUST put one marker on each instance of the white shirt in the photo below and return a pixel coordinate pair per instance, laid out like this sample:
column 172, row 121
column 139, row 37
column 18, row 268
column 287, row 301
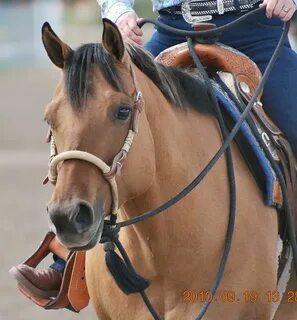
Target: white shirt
column 113, row 9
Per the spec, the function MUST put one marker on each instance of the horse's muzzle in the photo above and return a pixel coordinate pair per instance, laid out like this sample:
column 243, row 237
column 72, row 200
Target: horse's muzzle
column 77, row 224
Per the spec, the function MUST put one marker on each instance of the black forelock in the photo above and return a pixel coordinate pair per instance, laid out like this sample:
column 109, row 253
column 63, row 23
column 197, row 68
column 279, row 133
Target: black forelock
column 79, row 68
column 180, row 88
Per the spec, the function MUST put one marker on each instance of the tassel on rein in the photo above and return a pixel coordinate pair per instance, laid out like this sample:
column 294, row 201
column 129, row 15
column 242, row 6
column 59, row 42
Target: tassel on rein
column 123, row 273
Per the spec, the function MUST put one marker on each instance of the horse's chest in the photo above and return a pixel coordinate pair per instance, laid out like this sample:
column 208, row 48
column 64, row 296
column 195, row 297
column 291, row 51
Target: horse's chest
column 111, row 303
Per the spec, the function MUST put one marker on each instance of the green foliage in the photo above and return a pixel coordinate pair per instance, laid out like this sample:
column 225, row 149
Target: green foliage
column 144, row 8
column 88, row 12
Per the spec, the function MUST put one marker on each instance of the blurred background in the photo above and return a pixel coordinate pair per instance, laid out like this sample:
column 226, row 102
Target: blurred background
column 27, row 82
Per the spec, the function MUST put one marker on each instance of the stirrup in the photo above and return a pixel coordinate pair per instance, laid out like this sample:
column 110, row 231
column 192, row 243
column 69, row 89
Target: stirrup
column 73, row 293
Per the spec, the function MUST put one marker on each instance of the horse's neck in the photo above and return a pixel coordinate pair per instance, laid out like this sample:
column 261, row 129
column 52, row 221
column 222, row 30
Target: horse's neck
column 185, row 140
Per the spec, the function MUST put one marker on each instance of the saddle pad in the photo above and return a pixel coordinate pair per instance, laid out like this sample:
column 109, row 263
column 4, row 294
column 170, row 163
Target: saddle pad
column 247, row 143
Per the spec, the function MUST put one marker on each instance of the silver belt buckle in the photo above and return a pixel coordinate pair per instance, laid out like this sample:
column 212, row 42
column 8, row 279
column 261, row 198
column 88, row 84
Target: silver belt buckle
column 220, row 6
column 186, row 12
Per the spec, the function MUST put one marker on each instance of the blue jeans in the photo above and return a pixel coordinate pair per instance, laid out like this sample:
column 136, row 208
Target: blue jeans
column 257, row 39
column 59, row 264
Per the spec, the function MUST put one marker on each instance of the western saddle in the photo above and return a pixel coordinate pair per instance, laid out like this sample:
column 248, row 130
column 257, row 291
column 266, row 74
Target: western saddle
column 242, row 76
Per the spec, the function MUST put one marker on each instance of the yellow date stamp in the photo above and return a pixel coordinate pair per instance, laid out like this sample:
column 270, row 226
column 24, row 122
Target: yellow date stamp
column 229, row 296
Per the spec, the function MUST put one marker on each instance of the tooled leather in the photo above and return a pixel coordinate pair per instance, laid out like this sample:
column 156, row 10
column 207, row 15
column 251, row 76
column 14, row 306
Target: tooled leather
column 214, row 57
column 219, row 57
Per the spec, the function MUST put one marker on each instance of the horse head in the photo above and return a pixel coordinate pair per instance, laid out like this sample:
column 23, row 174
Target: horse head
column 93, row 111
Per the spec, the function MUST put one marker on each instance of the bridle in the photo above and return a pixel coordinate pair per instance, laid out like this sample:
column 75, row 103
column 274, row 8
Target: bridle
column 112, row 228
column 109, row 172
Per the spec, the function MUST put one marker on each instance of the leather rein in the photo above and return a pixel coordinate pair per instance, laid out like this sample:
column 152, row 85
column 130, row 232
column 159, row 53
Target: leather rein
column 112, row 228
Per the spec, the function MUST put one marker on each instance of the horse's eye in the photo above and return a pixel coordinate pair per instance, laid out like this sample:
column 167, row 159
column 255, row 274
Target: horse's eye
column 123, row 113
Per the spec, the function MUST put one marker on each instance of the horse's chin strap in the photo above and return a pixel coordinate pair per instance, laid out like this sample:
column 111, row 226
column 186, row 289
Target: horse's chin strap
column 109, row 172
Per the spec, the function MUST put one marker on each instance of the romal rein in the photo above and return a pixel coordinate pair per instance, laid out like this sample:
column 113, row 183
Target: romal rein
column 121, row 269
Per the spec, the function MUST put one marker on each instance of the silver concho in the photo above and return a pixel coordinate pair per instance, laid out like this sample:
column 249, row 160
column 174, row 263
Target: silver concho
column 244, row 87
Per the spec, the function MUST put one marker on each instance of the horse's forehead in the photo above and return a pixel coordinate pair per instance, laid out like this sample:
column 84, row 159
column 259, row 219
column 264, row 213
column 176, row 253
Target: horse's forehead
column 102, row 89
column 103, row 95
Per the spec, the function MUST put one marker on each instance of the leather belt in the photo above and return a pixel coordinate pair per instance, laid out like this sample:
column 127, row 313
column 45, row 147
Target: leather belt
column 198, row 11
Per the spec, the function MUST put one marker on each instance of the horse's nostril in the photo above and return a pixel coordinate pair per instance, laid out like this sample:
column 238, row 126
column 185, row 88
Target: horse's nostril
column 83, row 219
column 75, row 218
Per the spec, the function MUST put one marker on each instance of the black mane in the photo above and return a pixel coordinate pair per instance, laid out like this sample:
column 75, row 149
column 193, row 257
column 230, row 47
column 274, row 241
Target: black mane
column 178, row 86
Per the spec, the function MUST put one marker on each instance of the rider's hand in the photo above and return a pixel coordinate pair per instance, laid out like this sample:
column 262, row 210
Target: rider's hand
column 284, row 9
column 127, row 23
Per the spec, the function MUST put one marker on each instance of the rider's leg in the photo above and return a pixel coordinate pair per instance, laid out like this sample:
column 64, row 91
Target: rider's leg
column 59, row 264
column 43, row 283
column 280, row 97
column 258, row 39
column 161, row 40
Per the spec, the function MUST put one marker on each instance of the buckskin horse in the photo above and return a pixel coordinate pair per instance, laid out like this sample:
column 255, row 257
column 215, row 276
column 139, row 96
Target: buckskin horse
column 177, row 134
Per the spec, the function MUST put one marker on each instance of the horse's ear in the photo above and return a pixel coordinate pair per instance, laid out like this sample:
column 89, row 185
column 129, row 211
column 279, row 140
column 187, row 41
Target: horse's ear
column 112, row 39
column 57, row 50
